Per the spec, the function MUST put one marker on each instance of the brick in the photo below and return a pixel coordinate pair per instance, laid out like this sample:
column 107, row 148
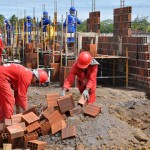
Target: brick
column 54, row 116
column 30, row 118
column 52, row 99
column 68, row 132
column 29, row 137
column 55, row 73
column 33, row 127
column 93, row 53
column 91, row 110
column 94, row 14
column 47, row 112
column 16, row 143
column 66, row 103
column 64, row 116
column 15, row 131
column 31, row 109
column 82, row 102
column 57, row 126
column 36, row 145
column 76, row 110
column 1, row 127
column 23, row 125
column 91, row 47
column 45, row 127
column 16, row 118
column 7, row 122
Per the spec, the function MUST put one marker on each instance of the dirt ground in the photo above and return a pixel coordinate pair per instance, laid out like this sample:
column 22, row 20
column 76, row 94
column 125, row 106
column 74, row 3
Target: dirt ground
column 123, row 124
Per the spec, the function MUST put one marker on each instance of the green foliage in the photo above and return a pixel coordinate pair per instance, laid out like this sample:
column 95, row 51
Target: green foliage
column 2, row 18
column 106, row 26
column 13, row 19
column 140, row 23
column 82, row 27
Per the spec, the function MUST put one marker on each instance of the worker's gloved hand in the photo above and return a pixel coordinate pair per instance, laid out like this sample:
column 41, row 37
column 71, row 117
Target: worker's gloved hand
column 86, row 94
column 63, row 92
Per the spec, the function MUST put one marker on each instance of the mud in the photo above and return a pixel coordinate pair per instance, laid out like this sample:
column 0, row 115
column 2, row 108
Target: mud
column 124, row 122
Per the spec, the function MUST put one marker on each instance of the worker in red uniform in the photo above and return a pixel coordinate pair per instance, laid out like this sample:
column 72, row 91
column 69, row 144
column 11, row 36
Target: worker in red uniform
column 85, row 68
column 1, row 49
column 18, row 78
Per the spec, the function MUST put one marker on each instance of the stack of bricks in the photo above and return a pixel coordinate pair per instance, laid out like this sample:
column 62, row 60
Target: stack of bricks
column 92, row 49
column 55, row 72
column 30, row 56
column 139, row 60
column 93, row 23
column 108, row 45
column 122, row 21
column 23, row 130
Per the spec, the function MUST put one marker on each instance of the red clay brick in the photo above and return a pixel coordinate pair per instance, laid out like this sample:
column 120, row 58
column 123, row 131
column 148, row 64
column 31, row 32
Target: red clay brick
column 45, row 127
column 57, row 126
column 7, row 122
column 16, row 118
column 54, row 116
column 15, row 131
column 29, row 137
column 91, row 47
column 23, row 125
column 16, row 143
column 75, row 111
column 30, row 118
column 92, row 110
column 36, row 145
column 1, row 127
column 82, row 102
column 47, row 112
column 52, row 99
column 32, row 127
column 32, row 109
column 68, row 132
column 66, row 103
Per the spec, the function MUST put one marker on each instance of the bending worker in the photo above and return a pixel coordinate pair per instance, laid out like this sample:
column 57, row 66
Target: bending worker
column 85, row 68
column 18, row 78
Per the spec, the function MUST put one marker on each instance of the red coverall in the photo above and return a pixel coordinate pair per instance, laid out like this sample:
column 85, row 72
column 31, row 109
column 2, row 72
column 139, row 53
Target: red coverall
column 1, row 49
column 19, row 78
column 84, row 81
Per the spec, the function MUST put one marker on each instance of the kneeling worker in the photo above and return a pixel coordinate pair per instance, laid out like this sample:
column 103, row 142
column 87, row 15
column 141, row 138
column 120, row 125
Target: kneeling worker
column 18, row 78
column 85, row 68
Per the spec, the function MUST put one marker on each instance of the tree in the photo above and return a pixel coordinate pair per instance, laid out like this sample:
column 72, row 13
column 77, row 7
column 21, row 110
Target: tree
column 13, row 19
column 140, row 23
column 82, row 27
column 106, row 26
column 1, row 21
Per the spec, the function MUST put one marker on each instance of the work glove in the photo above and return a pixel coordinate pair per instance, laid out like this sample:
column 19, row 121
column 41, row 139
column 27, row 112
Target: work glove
column 63, row 92
column 86, row 94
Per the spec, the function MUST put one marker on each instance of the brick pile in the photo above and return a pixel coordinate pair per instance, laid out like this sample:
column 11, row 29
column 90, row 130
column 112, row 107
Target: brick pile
column 30, row 56
column 93, row 23
column 122, row 21
column 139, row 60
column 23, row 130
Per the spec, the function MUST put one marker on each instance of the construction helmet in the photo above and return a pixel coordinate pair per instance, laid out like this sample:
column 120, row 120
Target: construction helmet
column 41, row 75
column 6, row 21
column 28, row 17
column 84, row 59
column 72, row 10
column 45, row 13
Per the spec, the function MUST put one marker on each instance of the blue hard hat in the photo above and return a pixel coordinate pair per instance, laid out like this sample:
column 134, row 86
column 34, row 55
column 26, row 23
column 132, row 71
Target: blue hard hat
column 6, row 21
column 72, row 9
column 28, row 17
column 45, row 13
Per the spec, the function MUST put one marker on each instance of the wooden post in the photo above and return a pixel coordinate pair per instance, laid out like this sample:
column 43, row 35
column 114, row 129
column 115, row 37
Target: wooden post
column 127, row 69
column 114, row 69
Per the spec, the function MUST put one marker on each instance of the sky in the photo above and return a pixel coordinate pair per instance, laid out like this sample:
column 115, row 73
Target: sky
column 23, row 8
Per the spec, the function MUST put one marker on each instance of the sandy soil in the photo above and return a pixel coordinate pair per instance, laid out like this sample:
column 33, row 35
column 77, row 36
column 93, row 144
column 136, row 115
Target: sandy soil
column 123, row 124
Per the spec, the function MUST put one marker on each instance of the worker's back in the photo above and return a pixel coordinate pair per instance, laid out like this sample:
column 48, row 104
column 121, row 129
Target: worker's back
column 16, row 75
